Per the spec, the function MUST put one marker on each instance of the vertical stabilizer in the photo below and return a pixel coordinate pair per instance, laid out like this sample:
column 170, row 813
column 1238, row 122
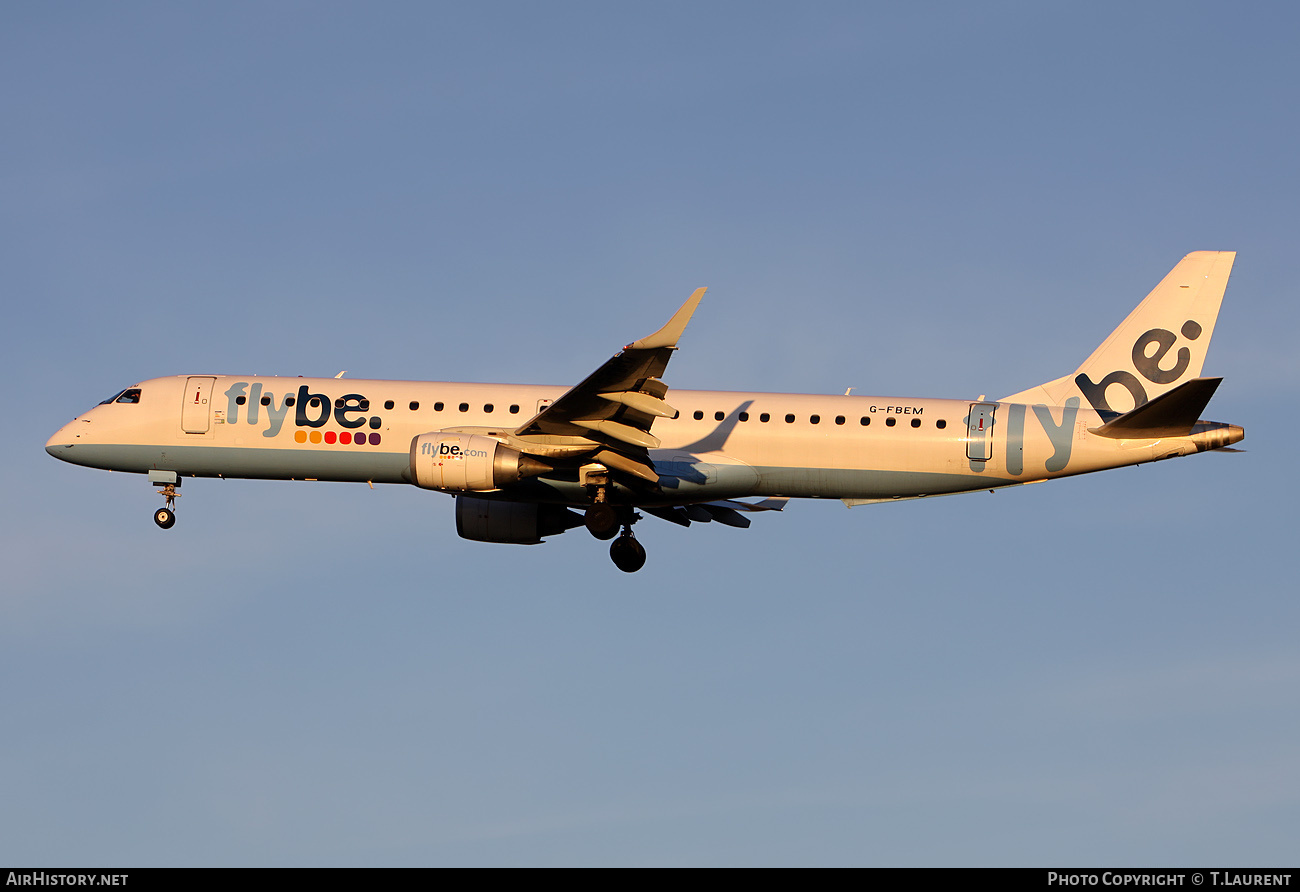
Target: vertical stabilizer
column 1161, row 344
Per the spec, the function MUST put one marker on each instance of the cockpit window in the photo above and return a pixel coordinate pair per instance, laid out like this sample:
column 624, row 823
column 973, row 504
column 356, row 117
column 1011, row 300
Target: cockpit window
column 130, row 395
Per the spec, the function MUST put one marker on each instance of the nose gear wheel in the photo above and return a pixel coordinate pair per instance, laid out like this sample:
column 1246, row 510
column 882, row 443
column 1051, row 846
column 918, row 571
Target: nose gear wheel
column 166, row 517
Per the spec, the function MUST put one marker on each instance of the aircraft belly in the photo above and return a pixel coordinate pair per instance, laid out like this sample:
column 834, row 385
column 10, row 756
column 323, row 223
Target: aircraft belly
column 839, row 483
column 245, row 462
column 825, row 483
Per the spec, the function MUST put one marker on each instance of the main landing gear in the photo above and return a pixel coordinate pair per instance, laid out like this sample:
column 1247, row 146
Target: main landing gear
column 604, row 521
column 627, row 553
column 166, row 517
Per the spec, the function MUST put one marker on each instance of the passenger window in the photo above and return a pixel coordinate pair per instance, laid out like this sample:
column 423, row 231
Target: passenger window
column 514, row 410
column 718, row 416
column 438, row 407
column 765, row 418
column 744, row 416
column 289, row 401
column 415, row 404
column 789, row 419
column 240, row 400
column 488, row 408
column 388, row 404
column 941, row 424
column 364, row 405
column 266, row 401
column 815, row 419
column 699, row 416
column 916, row 422
column 338, row 403
column 839, row 419
column 890, row 422
column 865, row 421
column 464, row 407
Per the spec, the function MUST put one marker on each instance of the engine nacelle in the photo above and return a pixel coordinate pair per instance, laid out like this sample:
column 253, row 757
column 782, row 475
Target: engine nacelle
column 468, row 463
column 516, row 523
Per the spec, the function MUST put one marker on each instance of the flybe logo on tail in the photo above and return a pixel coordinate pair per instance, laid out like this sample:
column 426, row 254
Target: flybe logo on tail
column 311, row 410
column 1147, row 361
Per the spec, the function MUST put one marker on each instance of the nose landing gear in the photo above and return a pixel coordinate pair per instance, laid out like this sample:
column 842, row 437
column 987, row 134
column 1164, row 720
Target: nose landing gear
column 166, row 517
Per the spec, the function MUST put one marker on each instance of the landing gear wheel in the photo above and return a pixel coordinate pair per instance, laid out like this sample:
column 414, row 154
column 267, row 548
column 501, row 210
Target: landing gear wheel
column 166, row 517
column 602, row 521
column 627, row 553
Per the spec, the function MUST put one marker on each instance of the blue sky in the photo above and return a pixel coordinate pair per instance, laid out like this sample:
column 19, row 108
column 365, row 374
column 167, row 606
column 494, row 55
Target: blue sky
column 944, row 200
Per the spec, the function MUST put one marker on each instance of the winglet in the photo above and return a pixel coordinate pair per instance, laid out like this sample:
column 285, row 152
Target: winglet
column 668, row 335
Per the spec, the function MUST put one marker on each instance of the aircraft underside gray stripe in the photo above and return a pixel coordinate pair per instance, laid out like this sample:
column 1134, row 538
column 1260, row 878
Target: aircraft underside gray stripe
column 357, row 465
column 362, row 465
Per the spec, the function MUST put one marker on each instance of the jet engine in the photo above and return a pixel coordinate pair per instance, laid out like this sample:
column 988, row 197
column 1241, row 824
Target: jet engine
column 468, row 463
column 516, row 523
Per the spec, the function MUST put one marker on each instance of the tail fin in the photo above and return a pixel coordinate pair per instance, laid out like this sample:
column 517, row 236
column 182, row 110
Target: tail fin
column 1161, row 344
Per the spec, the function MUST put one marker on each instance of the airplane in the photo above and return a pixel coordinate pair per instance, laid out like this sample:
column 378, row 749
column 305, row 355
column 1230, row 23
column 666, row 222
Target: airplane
column 525, row 462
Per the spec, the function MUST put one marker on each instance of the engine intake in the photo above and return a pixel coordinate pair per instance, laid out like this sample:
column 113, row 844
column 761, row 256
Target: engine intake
column 468, row 463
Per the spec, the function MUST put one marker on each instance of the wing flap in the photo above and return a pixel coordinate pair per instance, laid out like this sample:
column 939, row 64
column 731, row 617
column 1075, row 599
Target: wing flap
column 615, row 406
column 624, row 433
column 619, row 462
column 642, row 402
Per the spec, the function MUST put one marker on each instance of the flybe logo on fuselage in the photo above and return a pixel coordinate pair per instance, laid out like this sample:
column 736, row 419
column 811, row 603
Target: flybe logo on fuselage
column 245, row 404
column 1147, row 365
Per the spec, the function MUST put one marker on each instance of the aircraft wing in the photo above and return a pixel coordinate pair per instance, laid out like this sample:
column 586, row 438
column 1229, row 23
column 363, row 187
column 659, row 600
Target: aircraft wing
column 616, row 405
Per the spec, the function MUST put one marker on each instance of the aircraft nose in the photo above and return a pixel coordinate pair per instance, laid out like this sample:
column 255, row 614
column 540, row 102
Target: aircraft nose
column 59, row 444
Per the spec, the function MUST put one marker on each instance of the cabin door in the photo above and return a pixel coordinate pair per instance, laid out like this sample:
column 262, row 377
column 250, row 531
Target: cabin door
column 196, row 407
column 979, row 439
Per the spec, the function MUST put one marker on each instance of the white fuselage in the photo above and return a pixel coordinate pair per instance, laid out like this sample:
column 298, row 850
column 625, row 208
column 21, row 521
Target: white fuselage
column 721, row 445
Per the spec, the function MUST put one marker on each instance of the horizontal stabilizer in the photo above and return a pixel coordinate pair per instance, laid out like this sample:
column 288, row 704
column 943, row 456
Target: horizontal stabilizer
column 1171, row 414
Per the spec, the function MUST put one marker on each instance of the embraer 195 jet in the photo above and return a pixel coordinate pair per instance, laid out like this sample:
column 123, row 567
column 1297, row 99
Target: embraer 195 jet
column 524, row 462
